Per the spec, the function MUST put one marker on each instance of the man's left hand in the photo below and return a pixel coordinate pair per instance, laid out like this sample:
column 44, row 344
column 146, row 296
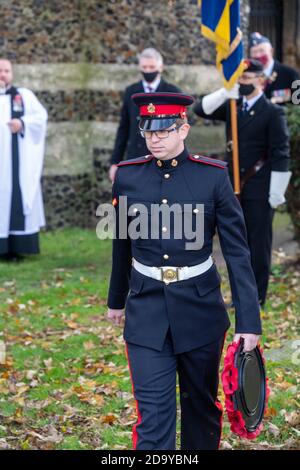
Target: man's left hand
column 15, row 125
column 250, row 340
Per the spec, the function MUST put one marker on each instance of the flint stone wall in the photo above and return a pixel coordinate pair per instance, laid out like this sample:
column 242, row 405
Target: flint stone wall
column 78, row 56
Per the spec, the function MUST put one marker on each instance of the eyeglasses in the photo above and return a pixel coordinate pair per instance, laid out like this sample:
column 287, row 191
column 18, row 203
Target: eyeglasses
column 163, row 134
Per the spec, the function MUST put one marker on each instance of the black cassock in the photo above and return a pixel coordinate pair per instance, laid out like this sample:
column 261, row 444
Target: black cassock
column 27, row 243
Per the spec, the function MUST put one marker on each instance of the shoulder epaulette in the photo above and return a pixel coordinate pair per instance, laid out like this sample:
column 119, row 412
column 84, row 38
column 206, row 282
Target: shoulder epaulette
column 208, row 161
column 135, row 161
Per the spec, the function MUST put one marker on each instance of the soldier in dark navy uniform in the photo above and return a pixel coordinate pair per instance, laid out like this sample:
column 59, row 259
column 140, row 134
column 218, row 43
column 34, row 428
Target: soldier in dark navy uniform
column 175, row 316
column 264, row 160
column 279, row 77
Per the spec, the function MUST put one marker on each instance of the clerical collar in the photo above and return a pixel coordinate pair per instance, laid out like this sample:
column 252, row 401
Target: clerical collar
column 173, row 162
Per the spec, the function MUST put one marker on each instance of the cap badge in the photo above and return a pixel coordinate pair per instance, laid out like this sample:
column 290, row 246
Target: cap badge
column 151, row 108
column 246, row 64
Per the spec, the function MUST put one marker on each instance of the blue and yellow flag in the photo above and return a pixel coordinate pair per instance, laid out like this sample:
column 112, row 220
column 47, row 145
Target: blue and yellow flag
column 221, row 24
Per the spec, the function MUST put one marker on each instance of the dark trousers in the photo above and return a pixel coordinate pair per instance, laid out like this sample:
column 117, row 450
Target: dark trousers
column 153, row 376
column 259, row 217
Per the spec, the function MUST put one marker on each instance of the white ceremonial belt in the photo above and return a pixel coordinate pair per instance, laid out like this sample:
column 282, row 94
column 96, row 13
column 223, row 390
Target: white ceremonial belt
column 172, row 273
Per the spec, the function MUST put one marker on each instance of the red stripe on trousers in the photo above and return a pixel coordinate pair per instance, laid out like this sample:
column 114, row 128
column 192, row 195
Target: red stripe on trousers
column 134, row 431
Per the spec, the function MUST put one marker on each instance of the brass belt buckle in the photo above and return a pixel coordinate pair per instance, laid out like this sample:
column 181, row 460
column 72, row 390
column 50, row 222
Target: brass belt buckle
column 169, row 275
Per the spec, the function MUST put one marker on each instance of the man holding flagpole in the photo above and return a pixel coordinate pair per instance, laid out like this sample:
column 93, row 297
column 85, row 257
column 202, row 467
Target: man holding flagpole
column 263, row 142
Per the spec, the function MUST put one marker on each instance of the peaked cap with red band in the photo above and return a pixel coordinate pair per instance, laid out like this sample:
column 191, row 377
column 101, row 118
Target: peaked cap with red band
column 253, row 65
column 160, row 110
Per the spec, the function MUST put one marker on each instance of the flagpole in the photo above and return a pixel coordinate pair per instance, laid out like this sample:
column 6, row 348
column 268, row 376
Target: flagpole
column 235, row 148
column 221, row 24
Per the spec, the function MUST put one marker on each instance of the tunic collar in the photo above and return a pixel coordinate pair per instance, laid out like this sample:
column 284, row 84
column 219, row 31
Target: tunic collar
column 172, row 162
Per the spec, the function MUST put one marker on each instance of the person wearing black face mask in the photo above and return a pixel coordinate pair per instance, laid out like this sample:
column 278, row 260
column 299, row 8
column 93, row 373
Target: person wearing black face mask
column 128, row 142
column 246, row 89
column 279, row 77
column 150, row 77
column 264, row 157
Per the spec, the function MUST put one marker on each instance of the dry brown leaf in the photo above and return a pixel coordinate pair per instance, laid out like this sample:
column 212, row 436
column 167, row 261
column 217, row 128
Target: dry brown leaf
column 54, row 436
column 48, row 362
column 274, row 430
column 293, row 418
column 109, row 418
column 30, row 374
column 89, row 345
column 270, row 412
column 72, row 325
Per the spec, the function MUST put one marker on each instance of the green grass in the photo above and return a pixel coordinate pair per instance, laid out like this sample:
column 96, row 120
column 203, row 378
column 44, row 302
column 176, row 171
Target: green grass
column 65, row 383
